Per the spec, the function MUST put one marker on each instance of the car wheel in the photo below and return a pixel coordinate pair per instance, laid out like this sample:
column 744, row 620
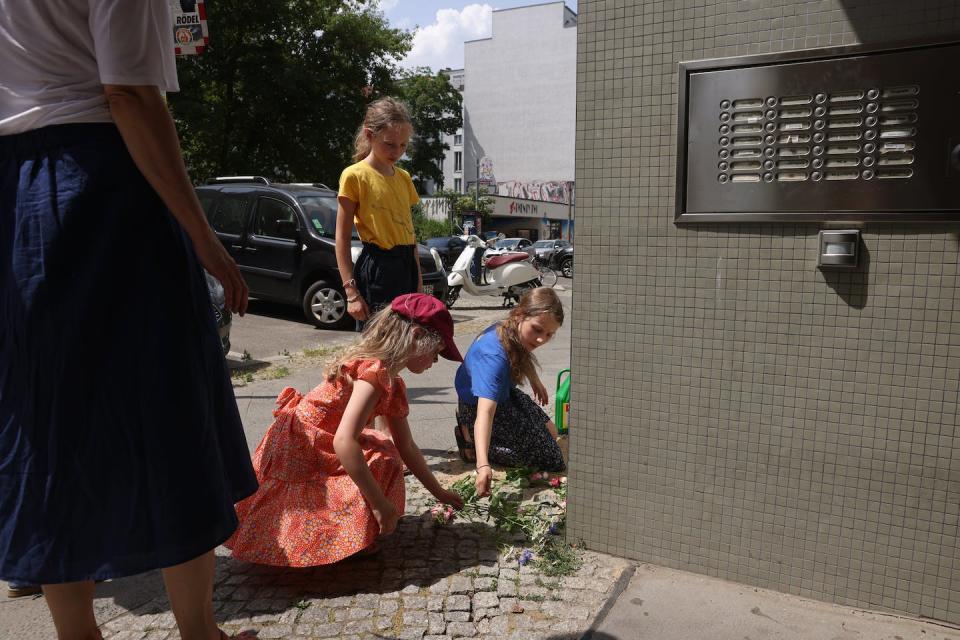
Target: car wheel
column 325, row 306
column 566, row 267
column 452, row 294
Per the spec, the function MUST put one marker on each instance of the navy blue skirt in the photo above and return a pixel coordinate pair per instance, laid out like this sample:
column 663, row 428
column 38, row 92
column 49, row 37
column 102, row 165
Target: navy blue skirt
column 121, row 447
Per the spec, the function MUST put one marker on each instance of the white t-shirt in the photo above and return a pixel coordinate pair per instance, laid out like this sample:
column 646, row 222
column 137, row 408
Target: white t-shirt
column 56, row 55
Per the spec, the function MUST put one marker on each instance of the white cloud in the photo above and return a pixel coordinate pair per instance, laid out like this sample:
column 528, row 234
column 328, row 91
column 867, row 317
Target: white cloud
column 440, row 44
column 387, row 5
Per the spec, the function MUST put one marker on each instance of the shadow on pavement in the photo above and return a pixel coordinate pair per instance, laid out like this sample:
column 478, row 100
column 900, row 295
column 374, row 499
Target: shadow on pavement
column 419, row 554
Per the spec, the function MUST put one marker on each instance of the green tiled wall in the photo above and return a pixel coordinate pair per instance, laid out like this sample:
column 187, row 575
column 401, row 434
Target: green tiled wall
column 737, row 412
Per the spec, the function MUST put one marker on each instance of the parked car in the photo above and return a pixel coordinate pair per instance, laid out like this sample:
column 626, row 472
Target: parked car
column 504, row 245
column 282, row 238
column 221, row 314
column 562, row 260
column 449, row 248
column 544, row 248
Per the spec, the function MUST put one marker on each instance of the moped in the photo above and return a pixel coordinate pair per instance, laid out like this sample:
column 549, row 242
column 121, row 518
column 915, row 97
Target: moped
column 507, row 274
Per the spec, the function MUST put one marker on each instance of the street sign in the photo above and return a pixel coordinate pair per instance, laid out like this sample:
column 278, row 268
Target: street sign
column 190, row 34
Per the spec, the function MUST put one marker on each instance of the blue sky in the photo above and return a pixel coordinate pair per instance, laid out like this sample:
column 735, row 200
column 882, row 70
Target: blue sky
column 442, row 26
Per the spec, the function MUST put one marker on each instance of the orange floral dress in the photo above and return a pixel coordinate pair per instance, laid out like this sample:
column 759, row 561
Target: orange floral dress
column 308, row 511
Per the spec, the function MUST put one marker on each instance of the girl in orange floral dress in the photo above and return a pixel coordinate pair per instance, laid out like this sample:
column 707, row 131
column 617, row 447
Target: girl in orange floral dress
column 330, row 483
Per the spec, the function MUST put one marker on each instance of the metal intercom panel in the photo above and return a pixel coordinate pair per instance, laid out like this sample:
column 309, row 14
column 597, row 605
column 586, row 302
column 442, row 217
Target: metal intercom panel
column 837, row 134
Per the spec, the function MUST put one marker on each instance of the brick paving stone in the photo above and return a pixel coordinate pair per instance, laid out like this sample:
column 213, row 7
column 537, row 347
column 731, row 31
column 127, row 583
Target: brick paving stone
column 440, row 586
column 435, row 603
column 436, row 625
column 275, row 632
column 131, row 634
column 461, row 584
column 508, row 575
column 415, row 602
column 415, row 618
column 456, row 616
column 328, row 630
column 315, row 613
column 485, row 600
column 410, row 633
column 506, row 588
column 488, row 569
column 458, row 603
column 358, row 626
column 462, row 630
column 499, row 625
column 437, row 638
column 484, row 584
column 388, row 606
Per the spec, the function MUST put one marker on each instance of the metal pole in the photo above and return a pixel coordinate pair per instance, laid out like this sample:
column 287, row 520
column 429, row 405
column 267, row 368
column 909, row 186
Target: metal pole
column 476, row 187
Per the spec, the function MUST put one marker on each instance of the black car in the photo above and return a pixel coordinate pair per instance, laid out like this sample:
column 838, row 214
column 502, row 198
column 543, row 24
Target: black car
column 558, row 255
column 449, row 248
column 282, row 238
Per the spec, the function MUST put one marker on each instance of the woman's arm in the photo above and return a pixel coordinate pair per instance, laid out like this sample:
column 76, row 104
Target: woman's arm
column 413, row 458
column 346, row 208
column 346, row 443
column 482, row 430
column 144, row 121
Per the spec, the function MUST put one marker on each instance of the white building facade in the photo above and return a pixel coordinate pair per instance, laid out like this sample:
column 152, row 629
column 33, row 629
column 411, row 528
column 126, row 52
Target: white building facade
column 519, row 120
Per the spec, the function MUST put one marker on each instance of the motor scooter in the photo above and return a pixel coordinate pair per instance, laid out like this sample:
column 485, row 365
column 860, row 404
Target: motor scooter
column 506, row 274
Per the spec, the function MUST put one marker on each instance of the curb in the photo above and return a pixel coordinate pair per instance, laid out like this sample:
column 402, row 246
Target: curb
column 618, row 588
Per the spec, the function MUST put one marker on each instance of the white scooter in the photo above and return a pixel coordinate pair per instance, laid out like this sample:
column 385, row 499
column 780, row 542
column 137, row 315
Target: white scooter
column 506, row 274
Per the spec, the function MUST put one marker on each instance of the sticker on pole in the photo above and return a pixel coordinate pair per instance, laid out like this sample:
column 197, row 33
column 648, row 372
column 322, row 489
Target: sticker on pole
column 190, row 35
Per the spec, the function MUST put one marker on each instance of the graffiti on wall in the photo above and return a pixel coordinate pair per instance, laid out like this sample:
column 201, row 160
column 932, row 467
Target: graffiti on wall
column 545, row 190
column 435, row 208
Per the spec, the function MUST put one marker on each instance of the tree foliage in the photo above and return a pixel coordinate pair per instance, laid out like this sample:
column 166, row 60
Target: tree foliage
column 282, row 87
column 435, row 108
column 460, row 203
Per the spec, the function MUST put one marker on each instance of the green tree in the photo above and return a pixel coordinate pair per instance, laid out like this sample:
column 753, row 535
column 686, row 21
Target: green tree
column 283, row 85
column 460, row 203
column 424, row 227
column 436, row 109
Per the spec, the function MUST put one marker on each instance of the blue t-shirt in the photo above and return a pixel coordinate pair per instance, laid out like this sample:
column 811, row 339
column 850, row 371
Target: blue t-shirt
column 485, row 372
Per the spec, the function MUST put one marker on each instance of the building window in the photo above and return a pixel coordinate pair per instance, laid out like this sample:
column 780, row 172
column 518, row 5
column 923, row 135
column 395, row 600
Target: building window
column 458, row 160
column 458, row 139
column 458, row 185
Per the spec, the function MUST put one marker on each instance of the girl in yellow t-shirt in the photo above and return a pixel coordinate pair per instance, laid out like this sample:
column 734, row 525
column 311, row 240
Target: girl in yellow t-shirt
column 376, row 196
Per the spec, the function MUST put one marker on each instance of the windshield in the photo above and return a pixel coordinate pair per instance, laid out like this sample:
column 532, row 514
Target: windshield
column 321, row 213
column 437, row 242
column 506, row 244
column 543, row 244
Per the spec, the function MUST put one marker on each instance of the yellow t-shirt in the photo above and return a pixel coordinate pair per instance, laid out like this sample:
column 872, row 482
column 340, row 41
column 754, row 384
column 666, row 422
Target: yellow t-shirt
column 383, row 216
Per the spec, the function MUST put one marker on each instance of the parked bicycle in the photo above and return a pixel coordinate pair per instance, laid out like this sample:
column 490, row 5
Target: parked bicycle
column 548, row 277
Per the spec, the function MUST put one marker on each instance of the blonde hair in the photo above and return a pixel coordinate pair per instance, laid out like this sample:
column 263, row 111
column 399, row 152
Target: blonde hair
column 381, row 114
column 535, row 302
column 390, row 338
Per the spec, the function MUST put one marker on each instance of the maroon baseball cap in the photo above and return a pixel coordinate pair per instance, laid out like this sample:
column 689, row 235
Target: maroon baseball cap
column 432, row 314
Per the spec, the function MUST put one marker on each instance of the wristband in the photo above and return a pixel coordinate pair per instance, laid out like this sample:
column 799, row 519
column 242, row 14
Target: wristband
column 353, row 299
column 352, row 282
column 482, row 466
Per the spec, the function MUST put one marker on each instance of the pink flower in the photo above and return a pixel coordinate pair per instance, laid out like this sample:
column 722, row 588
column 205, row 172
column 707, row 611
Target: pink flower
column 534, row 476
column 554, row 482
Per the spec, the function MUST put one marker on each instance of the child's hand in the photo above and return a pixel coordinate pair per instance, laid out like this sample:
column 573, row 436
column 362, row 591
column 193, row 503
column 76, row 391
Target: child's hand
column 449, row 497
column 484, row 476
column 539, row 392
column 387, row 517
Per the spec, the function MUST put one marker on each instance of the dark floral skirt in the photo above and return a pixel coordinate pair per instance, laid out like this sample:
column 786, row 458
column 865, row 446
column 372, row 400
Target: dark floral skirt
column 520, row 436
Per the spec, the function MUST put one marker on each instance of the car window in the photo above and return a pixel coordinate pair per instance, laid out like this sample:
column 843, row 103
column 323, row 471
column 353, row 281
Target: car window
column 231, row 214
column 275, row 219
column 321, row 213
column 206, row 201
column 543, row 244
column 505, row 244
column 437, row 243
column 523, row 243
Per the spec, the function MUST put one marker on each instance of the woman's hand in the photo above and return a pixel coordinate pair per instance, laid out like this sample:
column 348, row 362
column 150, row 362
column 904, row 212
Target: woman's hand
column 358, row 309
column 484, row 476
column 215, row 259
column 539, row 392
column 449, row 497
column 387, row 517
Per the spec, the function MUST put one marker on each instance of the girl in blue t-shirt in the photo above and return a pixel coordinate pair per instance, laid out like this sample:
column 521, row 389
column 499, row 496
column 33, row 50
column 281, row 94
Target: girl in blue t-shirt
column 496, row 422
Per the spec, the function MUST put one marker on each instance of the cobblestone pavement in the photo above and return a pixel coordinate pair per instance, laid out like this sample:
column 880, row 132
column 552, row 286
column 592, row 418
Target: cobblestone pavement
column 427, row 582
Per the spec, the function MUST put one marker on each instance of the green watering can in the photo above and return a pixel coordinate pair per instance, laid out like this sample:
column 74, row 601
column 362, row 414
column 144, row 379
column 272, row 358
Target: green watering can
column 561, row 404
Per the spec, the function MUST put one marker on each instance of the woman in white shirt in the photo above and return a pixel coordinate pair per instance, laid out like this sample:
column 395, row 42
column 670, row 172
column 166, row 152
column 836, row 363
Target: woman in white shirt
column 121, row 448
